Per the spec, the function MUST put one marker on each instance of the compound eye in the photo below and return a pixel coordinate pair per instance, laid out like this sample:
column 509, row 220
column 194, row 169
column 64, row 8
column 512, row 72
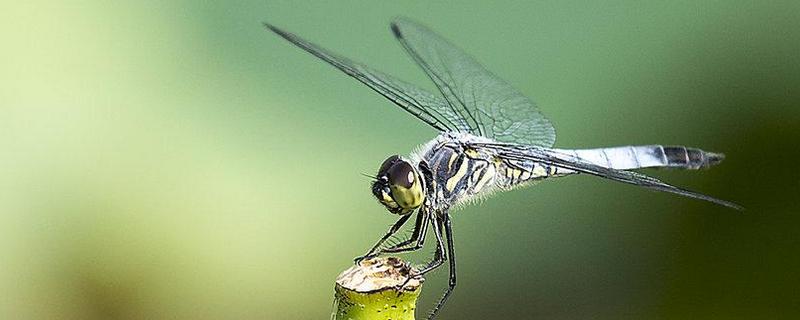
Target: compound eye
column 387, row 164
column 397, row 186
column 401, row 174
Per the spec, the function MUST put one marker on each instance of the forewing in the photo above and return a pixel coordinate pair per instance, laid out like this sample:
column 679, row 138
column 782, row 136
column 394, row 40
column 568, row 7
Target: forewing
column 490, row 106
column 426, row 106
column 562, row 160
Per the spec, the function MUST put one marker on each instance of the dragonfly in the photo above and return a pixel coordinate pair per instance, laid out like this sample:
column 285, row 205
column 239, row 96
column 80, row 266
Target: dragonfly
column 490, row 138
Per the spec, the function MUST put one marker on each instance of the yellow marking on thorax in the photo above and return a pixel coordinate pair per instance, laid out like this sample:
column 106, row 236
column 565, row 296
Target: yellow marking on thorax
column 462, row 170
column 472, row 153
column 516, row 173
column 525, row 175
column 490, row 171
column 453, row 157
column 552, row 170
column 476, row 175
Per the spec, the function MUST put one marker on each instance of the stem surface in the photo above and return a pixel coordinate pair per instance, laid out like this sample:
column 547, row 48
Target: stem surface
column 371, row 291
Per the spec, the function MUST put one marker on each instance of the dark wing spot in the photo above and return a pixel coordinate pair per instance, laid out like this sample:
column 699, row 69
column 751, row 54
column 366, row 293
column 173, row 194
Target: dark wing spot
column 396, row 30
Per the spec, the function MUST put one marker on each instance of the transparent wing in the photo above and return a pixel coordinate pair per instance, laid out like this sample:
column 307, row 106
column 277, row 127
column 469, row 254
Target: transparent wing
column 426, row 106
column 566, row 161
column 490, row 106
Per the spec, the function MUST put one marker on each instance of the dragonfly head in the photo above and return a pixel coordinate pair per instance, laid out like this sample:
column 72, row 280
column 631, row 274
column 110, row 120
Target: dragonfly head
column 399, row 186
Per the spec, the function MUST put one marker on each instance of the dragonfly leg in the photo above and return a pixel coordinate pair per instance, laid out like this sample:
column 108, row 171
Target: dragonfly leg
column 397, row 225
column 420, row 231
column 448, row 230
column 438, row 256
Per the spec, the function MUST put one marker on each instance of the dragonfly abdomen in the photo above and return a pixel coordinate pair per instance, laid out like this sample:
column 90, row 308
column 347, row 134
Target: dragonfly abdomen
column 635, row 157
column 516, row 173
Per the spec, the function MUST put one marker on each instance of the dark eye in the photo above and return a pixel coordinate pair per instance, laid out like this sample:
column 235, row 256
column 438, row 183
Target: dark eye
column 388, row 163
column 401, row 174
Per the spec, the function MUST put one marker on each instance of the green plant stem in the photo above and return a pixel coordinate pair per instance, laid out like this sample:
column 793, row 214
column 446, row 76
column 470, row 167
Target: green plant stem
column 371, row 291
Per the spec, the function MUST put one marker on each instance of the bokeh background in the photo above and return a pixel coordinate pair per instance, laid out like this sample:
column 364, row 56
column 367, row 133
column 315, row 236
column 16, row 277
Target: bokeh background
column 174, row 160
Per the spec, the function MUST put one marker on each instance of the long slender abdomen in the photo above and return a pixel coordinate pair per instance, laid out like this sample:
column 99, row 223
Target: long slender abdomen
column 512, row 173
column 635, row 157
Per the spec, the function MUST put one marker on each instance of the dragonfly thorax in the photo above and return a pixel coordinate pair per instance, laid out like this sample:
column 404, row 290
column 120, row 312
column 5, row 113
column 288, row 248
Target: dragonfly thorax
column 399, row 186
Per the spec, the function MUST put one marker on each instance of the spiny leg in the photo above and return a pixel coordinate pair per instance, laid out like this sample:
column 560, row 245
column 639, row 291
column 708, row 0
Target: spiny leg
column 397, row 225
column 438, row 256
column 448, row 230
column 420, row 231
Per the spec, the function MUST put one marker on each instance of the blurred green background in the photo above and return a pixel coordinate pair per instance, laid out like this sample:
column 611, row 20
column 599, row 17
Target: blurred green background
column 177, row 161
